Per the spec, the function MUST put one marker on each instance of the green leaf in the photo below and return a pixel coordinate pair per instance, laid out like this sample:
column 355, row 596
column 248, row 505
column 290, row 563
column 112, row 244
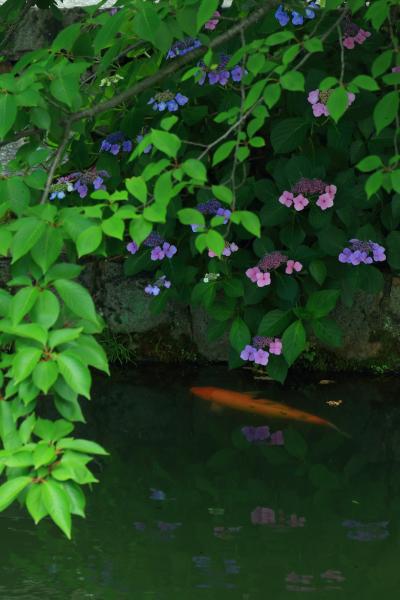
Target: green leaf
column 255, row 63
column 272, row 93
column 223, row 152
column 168, row 143
column 190, row 216
column 313, row 45
column 46, row 309
column 369, row 163
column 91, row 353
column 57, row 505
column 295, row 444
column 114, row 227
column 287, row 135
column 223, row 193
column 26, row 237
column 10, row 490
column 48, row 248
column 89, row 240
column 76, row 375
column 85, row 446
column 293, row 81
column 44, row 375
column 34, row 503
column 5, row 302
column 323, row 478
column 373, row 183
column 5, row 241
column 365, row 83
column 233, row 288
column 195, row 169
column 328, row 332
column 248, row 220
column 382, row 63
column 8, row 113
column 321, row 303
column 294, row 342
column 106, row 34
column 66, row 38
column 385, row 110
column 337, row 103
column 318, row 271
column 24, row 362
column 239, row 335
column 137, row 187
column 16, row 193
column 77, row 298
column 395, row 179
column 139, row 230
column 274, row 322
column 279, row 38
column 65, row 89
column 205, row 11
column 44, row 454
column 76, row 498
column 22, row 303
column 215, row 242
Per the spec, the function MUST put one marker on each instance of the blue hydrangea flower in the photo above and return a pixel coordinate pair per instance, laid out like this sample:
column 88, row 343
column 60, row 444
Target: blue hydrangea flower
column 283, row 16
column 360, row 252
column 114, row 142
column 183, row 47
column 297, row 18
column 168, row 101
column 60, row 195
column 148, row 148
column 219, row 73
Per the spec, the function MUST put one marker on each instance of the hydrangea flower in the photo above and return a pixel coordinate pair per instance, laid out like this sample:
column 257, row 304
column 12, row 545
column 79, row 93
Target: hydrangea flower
column 230, row 248
column 183, row 47
column 396, row 69
column 353, row 34
column 260, row 274
column 213, row 22
column 168, row 101
column 307, row 190
column 153, row 289
column 257, row 352
column 61, row 186
column 109, row 81
column 89, row 177
column 132, row 247
column 211, row 277
column 360, row 252
column 283, row 16
column 220, row 73
column 318, row 99
column 115, row 142
column 214, row 208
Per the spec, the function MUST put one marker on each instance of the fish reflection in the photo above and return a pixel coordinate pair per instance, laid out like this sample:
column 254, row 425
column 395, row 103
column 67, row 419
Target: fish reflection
column 263, row 434
column 266, row 516
column 366, row 532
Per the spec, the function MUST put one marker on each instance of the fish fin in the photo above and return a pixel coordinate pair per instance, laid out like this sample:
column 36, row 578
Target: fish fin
column 216, row 408
column 340, row 430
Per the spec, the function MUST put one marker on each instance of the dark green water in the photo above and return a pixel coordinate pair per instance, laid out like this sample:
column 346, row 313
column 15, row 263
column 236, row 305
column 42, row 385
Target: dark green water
column 331, row 531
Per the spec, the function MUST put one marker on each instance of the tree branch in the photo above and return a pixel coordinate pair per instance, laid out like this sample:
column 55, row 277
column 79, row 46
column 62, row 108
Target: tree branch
column 57, row 159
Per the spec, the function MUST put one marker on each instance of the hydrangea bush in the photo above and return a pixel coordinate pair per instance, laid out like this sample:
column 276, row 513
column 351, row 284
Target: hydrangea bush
column 179, row 134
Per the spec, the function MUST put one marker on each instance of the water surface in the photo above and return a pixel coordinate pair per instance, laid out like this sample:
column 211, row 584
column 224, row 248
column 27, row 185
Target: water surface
column 186, row 509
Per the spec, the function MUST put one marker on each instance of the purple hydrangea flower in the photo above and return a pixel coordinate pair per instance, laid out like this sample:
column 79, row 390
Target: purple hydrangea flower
column 256, row 434
column 155, row 288
column 114, row 142
column 89, row 177
column 168, row 100
column 220, row 74
column 183, row 47
column 132, row 247
column 360, row 252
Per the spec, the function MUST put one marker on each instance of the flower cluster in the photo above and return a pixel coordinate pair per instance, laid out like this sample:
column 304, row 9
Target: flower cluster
column 183, row 47
column 214, row 208
column 116, row 142
column 318, row 190
column 263, row 434
column 318, row 99
column 331, row 579
column 219, row 73
column 256, row 352
column 396, row 69
column 260, row 274
column 211, row 277
column 213, row 22
column 160, row 248
column 230, row 248
column 153, row 289
column 168, row 101
column 266, row 516
column 283, row 16
column 360, row 252
column 61, row 186
column 109, row 81
column 353, row 34
column 78, row 182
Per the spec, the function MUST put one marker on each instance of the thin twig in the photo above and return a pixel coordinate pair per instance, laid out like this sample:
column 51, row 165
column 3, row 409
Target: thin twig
column 56, row 161
column 342, row 63
column 396, row 87
column 239, row 129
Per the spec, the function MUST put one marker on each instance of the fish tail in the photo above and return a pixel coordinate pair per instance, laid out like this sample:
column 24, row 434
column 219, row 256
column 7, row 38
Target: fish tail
column 339, row 430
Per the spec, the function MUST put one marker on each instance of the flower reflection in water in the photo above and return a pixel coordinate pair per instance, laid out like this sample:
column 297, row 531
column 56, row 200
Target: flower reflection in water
column 307, row 583
column 366, row 532
column 266, row 516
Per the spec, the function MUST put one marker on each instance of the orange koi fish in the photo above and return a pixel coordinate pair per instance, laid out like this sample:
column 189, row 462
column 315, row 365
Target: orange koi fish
column 267, row 408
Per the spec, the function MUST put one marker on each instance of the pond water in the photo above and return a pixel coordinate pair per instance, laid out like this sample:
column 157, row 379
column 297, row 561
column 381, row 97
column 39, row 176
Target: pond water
column 186, row 509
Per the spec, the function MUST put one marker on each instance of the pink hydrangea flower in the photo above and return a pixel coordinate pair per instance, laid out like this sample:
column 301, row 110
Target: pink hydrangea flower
column 351, row 97
column 293, row 265
column 331, row 189
column 213, row 22
column 325, row 201
column 286, row 199
column 252, row 274
column 313, row 97
column 277, row 439
column 396, row 69
column 263, row 279
column 349, row 43
column 300, row 202
column 275, row 347
column 261, row 357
